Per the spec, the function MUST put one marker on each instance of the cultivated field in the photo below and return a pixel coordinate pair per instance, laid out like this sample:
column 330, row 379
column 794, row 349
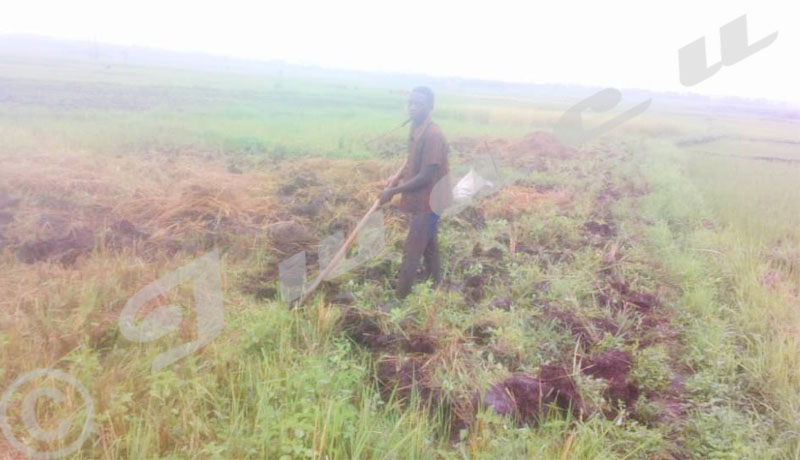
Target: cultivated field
column 633, row 297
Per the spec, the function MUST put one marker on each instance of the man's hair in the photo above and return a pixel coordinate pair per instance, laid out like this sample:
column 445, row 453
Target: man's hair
column 425, row 91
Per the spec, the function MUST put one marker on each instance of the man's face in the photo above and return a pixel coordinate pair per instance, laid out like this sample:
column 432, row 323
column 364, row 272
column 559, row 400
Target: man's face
column 418, row 107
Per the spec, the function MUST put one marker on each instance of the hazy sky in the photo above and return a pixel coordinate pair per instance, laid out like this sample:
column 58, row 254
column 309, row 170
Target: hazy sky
column 631, row 44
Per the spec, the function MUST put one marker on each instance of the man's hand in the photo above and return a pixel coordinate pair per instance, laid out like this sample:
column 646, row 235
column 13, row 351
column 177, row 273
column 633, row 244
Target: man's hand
column 386, row 195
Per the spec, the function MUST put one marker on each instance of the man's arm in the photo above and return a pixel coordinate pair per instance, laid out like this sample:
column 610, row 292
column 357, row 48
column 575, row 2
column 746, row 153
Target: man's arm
column 423, row 178
column 392, row 181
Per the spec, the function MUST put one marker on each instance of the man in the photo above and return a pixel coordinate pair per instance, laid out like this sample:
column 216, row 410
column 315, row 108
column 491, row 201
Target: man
column 423, row 180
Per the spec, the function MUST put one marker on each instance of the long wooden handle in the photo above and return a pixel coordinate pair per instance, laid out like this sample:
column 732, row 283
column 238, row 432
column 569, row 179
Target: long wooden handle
column 343, row 250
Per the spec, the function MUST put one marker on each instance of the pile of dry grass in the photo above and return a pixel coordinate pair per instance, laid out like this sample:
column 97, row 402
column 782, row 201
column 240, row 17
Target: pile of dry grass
column 166, row 200
column 515, row 200
column 153, row 203
column 534, row 151
column 539, row 143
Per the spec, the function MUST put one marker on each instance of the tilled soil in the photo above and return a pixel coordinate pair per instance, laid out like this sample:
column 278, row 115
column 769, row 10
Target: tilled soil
column 407, row 363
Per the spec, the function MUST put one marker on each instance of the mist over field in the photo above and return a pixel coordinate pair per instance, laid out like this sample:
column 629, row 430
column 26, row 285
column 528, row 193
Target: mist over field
column 621, row 277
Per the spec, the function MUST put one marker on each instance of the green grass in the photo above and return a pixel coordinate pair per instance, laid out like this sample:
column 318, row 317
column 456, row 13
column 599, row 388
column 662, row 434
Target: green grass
column 134, row 109
column 756, row 197
column 702, row 232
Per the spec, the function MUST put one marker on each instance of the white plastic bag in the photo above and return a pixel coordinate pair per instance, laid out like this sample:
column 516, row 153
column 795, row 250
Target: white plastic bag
column 469, row 186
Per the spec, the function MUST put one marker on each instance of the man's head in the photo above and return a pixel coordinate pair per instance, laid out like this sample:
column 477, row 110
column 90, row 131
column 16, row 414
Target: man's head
column 420, row 103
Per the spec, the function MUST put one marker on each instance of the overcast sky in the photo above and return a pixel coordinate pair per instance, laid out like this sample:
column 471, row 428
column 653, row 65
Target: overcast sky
column 623, row 44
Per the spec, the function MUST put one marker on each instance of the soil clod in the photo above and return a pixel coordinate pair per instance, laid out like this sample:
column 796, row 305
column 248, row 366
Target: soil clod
column 644, row 300
column 482, row 332
column 615, row 367
column 588, row 331
column 288, row 236
column 501, row 303
column 299, row 182
column 526, row 397
column 64, row 250
column 603, row 230
column 421, row 343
